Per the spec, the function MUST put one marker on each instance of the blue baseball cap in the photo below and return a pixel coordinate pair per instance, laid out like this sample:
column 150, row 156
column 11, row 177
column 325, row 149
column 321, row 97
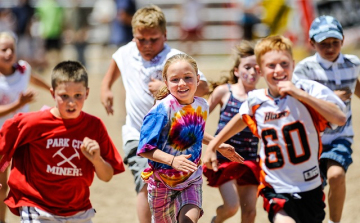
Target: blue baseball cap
column 324, row 27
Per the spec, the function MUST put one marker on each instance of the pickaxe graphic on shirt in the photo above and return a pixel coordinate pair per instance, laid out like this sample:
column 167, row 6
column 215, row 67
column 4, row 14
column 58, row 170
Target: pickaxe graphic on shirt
column 66, row 159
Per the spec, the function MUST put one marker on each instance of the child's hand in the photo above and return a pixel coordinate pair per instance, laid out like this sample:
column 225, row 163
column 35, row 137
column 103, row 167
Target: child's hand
column 288, row 88
column 27, row 97
column 344, row 93
column 107, row 99
column 210, row 160
column 91, row 149
column 182, row 163
column 155, row 85
column 229, row 152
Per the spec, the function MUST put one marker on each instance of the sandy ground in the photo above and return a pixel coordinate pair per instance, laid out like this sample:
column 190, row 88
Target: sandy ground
column 115, row 201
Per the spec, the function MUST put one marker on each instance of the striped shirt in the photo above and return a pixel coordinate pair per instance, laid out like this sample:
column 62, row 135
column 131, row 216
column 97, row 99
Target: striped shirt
column 343, row 73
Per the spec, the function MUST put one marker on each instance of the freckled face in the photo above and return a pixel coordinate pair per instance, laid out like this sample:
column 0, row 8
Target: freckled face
column 69, row 98
column 276, row 66
column 182, row 81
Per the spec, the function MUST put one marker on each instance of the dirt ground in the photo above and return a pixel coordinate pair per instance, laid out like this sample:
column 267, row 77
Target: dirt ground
column 115, row 201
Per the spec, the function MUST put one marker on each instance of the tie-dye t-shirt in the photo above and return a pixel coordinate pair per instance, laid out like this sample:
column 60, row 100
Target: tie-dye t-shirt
column 178, row 130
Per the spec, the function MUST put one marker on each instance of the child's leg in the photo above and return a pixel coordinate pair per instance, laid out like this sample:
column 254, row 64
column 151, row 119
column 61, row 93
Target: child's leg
column 337, row 190
column 189, row 214
column 282, row 217
column 142, row 206
column 335, row 160
column 248, row 197
column 229, row 195
column 3, row 193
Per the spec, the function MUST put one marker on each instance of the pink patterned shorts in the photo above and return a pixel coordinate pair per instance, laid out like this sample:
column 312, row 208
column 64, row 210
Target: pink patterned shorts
column 165, row 204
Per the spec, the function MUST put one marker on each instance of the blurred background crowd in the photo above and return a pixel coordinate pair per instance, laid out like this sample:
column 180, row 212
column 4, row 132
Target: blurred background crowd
column 88, row 28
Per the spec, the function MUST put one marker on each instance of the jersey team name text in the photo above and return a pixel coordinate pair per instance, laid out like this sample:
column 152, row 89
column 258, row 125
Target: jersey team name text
column 272, row 116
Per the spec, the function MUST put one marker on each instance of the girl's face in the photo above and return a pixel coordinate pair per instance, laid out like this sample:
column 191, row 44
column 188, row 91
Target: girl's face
column 7, row 52
column 182, row 81
column 246, row 71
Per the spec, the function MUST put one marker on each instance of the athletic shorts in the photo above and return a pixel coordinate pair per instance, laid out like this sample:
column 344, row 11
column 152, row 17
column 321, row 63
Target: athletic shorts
column 165, row 204
column 245, row 174
column 304, row 207
column 137, row 164
column 36, row 215
column 340, row 151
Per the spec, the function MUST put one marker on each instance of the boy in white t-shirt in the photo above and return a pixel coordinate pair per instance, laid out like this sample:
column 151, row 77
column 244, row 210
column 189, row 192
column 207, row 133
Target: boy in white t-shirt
column 140, row 64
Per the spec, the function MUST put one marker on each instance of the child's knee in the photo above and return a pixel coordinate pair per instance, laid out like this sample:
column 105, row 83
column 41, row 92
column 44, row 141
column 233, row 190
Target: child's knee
column 248, row 215
column 230, row 209
column 336, row 175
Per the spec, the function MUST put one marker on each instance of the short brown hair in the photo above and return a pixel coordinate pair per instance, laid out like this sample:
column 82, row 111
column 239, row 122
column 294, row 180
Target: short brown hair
column 278, row 43
column 149, row 17
column 69, row 71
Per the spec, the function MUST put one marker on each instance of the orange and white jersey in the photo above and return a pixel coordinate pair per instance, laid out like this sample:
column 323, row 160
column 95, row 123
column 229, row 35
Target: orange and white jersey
column 290, row 132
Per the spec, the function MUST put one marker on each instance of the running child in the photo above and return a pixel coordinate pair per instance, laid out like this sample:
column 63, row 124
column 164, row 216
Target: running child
column 140, row 64
column 171, row 139
column 339, row 72
column 14, row 95
column 288, row 118
column 237, row 182
column 55, row 153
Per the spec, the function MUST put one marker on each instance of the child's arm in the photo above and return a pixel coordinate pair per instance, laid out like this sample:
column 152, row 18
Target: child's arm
column 91, row 150
column 328, row 110
column 217, row 96
column 36, row 80
column 235, row 125
column 202, row 89
column 225, row 149
column 24, row 98
column 357, row 88
column 180, row 163
column 107, row 97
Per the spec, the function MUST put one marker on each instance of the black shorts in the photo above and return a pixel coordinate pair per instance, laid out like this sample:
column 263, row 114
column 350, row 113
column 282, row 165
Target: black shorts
column 305, row 207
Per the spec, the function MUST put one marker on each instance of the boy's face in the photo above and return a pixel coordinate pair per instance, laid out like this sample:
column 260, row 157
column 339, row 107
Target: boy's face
column 276, row 66
column 7, row 52
column 69, row 98
column 149, row 41
column 329, row 49
column 182, row 81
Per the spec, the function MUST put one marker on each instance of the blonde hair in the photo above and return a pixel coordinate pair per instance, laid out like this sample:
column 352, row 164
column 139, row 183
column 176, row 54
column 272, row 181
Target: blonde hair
column 69, row 71
column 149, row 17
column 278, row 43
column 164, row 91
column 9, row 35
column 242, row 50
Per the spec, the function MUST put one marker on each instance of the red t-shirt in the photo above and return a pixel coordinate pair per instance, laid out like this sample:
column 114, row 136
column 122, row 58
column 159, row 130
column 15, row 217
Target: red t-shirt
column 48, row 168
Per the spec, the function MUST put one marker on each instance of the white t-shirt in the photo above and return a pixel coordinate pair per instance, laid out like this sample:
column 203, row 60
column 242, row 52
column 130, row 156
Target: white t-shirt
column 136, row 74
column 11, row 86
column 290, row 133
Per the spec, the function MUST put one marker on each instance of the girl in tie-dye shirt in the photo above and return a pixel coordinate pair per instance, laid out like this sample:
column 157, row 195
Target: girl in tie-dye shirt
column 171, row 138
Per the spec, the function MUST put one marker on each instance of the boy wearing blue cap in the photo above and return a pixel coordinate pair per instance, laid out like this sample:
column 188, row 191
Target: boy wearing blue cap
column 340, row 73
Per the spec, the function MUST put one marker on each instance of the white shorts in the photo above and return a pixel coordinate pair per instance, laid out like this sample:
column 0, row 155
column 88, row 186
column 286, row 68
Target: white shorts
column 36, row 215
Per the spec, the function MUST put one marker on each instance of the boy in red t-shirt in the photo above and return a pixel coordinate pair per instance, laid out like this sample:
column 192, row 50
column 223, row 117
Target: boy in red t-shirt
column 55, row 153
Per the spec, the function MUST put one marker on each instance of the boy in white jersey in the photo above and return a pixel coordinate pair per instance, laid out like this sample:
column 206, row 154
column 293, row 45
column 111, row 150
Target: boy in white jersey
column 140, row 64
column 340, row 73
column 288, row 118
